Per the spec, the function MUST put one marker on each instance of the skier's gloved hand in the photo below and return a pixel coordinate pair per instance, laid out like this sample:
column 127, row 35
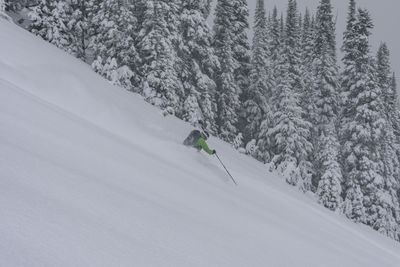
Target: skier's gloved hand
column 214, row 152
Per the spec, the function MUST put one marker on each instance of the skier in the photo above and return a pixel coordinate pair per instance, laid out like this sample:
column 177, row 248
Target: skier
column 197, row 139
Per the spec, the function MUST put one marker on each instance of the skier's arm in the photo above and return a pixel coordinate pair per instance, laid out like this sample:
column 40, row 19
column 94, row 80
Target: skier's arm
column 205, row 146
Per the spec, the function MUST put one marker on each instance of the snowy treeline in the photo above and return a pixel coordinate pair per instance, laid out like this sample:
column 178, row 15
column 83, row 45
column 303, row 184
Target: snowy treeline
column 283, row 99
column 3, row 9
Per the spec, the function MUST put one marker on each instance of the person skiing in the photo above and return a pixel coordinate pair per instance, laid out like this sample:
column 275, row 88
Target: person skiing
column 197, row 139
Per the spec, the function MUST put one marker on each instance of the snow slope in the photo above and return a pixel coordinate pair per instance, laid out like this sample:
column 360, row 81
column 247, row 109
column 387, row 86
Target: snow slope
column 91, row 175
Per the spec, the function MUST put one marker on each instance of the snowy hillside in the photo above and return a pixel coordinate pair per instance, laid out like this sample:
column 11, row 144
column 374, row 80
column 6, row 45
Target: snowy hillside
column 91, row 175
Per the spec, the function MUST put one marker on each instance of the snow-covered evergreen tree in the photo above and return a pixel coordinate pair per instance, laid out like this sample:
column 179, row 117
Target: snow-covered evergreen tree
column 197, row 64
column 385, row 78
column 3, row 10
column 289, row 133
column 307, row 92
column 307, row 59
column 274, row 49
column 60, row 28
column 241, row 46
column 254, row 98
column 329, row 188
column 238, row 142
column 325, row 99
column 113, row 45
column 82, row 27
column 349, row 50
column 290, row 130
column 366, row 194
column 266, row 142
column 274, row 31
column 2, row 6
column 49, row 20
column 18, row 5
column 387, row 218
column 292, row 47
column 387, row 83
column 6, row 5
column 252, row 149
column 156, row 46
column 231, row 46
column 390, row 144
column 393, row 86
column 66, row 24
column 353, row 207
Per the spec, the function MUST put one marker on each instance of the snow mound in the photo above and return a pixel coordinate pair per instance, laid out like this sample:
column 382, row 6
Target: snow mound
column 91, row 175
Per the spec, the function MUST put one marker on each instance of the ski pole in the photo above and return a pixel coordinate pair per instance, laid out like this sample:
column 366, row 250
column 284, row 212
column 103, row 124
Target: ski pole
column 225, row 169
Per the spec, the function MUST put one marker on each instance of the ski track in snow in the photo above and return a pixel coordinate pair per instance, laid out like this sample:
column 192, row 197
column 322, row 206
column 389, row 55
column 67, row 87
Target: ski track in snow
column 90, row 175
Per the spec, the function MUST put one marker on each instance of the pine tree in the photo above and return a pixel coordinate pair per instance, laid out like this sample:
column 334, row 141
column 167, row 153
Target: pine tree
column 365, row 195
column 390, row 145
column 231, row 49
column 307, row 92
column 274, row 37
column 292, row 48
column 241, row 45
column 156, row 46
column 385, row 78
column 60, row 28
column 139, row 11
column 2, row 6
column 18, row 5
column 41, row 19
column 387, row 83
column 353, row 206
column 82, row 27
column 307, row 59
column 393, row 86
column 254, row 98
column 266, row 144
column 113, row 45
column 5, row 5
column 49, row 20
column 275, row 32
column 325, row 98
column 349, row 50
column 3, row 10
column 290, row 131
column 197, row 64
column 208, row 7
column 329, row 187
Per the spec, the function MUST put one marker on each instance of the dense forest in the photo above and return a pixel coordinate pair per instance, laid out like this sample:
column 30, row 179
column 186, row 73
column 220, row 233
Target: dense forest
column 331, row 128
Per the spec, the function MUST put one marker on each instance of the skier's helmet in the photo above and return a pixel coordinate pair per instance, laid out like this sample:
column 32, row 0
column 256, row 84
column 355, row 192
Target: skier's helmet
column 206, row 134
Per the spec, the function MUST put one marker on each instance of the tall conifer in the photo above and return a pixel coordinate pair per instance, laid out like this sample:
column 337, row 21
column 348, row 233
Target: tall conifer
column 390, row 146
column 326, row 90
column 231, row 46
column 197, row 64
column 264, row 144
column 290, row 130
column 82, row 27
column 364, row 128
column 113, row 44
column 254, row 98
column 156, row 46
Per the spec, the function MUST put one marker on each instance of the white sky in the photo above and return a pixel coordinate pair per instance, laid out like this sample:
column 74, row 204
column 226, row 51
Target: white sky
column 385, row 14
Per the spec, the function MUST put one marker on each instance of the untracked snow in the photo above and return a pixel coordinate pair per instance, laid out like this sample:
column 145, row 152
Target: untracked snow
column 91, row 175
